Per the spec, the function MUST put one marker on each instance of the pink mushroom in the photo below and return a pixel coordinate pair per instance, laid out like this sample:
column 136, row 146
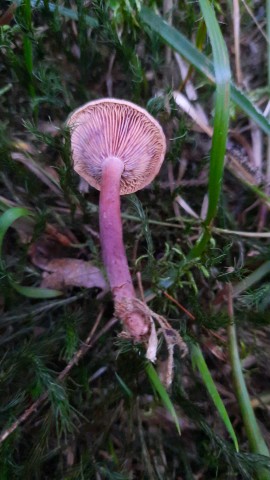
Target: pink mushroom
column 118, row 148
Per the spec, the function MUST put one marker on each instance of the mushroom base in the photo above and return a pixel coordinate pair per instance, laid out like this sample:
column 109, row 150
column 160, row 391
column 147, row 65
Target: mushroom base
column 137, row 325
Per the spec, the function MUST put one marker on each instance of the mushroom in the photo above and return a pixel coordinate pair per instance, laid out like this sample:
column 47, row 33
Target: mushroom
column 118, row 148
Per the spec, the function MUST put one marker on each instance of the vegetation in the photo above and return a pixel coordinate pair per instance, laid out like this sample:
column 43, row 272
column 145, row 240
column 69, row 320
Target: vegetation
column 78, row 401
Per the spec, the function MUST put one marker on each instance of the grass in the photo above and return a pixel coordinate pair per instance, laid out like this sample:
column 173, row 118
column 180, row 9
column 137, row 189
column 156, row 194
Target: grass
column 77, row 401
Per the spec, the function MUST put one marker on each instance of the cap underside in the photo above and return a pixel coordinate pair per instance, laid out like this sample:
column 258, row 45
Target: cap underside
column 115, row 128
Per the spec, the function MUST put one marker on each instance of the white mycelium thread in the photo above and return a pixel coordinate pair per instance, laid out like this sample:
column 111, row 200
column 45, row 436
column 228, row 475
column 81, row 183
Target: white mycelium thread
column 115, row 128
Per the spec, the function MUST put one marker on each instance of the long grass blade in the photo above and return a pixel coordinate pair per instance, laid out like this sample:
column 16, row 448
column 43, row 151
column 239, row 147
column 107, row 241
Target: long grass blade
column 35, row 292
column 221, row 76
column 182, row 45
column 221, row 121
column 7, row 219
column 27, row 46
column 162, row 393
column 255, row 438
column 252, row 278
column 222, row 105
column 65, row 12
column 124, row 386
column 200, row 363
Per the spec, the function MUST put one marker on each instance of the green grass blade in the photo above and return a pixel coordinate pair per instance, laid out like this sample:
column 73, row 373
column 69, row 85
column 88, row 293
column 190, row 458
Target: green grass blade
column 183, row 46
column 124, row 386
column 162, row 393
column 34, row 292
column 28, row 51
column 222, row 75
column 222, row 105
column 178, row 42
column 65, row 12
column 7, row 219
column 28, row 55
column 252, row 278
column 27, row 45
column 243, row 102
column 255, row 438
column 221, row 121
column 199, row 362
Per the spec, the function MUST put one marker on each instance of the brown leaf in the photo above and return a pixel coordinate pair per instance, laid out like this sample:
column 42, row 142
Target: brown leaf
column 46, row 249
column 70, row 272
column 7, row 16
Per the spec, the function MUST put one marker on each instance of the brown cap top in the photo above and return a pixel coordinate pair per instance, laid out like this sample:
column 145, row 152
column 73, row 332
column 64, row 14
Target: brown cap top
column 116, row 128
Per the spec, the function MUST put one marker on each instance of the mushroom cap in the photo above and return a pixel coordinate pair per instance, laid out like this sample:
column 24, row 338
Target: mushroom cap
column 109, row 128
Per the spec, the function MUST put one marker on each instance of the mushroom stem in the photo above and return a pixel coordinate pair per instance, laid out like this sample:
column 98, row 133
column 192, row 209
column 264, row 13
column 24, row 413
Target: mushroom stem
column 113, row 250
column 111, row 234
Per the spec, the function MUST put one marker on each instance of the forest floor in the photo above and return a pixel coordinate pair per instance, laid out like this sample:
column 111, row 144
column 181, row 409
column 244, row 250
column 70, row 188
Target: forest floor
column 78, row 400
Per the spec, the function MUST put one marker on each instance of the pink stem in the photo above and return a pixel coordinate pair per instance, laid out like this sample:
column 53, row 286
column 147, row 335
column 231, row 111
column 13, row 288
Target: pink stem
column 113, row 250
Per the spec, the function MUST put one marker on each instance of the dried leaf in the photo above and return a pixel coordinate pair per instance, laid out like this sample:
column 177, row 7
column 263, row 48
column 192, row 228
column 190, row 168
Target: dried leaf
column 70, row 272
column 46, row 249
column 8, row 15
